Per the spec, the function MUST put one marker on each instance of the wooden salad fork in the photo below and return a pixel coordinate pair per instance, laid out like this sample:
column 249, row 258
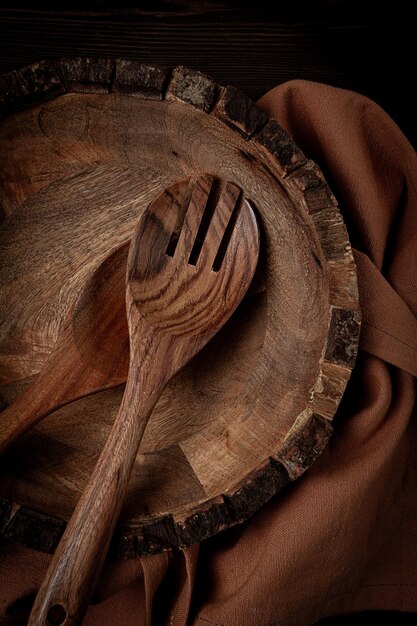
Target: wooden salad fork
column 191, row 260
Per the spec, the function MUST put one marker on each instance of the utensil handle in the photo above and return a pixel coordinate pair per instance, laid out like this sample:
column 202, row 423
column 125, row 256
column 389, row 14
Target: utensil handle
column 75, row 567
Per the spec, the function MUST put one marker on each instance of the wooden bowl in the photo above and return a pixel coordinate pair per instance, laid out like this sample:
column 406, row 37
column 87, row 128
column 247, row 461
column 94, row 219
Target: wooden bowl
column 85, row 145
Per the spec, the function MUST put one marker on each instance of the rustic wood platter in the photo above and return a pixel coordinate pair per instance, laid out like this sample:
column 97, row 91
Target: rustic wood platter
column 85, row 145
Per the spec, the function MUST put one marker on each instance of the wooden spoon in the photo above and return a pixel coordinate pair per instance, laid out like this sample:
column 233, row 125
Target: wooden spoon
column 188, row 269
column 91, row 353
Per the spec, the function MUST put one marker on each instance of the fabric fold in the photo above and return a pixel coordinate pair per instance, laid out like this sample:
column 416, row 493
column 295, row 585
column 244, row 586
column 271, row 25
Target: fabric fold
column 183, row 602
column 389, row 328
column 154, row 571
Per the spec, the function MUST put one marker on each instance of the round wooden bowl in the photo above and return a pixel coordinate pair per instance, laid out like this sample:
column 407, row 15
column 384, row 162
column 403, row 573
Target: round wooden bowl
column 85, row 145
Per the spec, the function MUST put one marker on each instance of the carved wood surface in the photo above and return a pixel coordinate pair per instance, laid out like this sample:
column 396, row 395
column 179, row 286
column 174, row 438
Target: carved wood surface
column 83, row 144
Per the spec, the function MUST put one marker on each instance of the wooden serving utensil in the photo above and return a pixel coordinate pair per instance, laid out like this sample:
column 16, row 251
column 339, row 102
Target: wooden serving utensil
column 191, row 260
column 91, row 353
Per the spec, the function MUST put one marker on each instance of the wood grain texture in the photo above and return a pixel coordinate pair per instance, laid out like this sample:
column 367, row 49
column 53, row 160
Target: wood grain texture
column 28, row 86
column 86, row 75
column 139, row 79
column 256, row 388
column 177, row 298
column 237, row 110
column 192, row 87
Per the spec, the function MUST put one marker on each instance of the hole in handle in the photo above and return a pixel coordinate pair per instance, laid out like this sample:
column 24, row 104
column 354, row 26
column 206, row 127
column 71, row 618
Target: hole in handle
column 56, row 615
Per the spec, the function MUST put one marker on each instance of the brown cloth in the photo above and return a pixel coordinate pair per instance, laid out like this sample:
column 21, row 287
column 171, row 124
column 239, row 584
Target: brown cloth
column 343, row 537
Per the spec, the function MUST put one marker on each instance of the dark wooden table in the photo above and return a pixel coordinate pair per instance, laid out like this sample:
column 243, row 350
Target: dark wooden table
column 253, row 45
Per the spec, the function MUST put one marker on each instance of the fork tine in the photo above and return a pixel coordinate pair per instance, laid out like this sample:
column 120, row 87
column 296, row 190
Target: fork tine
column 164, row 212
column 193, row 217
column 228, row 201
column 240, row 245
column 157, row 225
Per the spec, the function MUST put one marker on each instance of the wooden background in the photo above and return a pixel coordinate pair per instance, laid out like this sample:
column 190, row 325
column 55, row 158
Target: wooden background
column 253, row 45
